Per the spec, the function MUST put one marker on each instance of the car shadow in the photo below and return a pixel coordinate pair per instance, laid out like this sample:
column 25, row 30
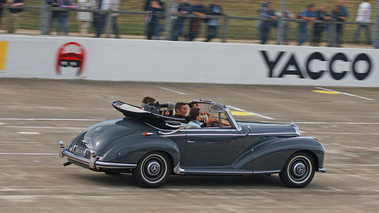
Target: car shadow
column 179, row 181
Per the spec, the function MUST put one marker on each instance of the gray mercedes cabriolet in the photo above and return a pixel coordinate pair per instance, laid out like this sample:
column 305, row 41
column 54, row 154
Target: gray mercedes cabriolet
column 153, row 146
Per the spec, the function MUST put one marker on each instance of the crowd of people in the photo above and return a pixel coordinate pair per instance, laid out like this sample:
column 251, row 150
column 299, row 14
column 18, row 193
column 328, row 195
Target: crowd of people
column 187, row 19
column 318, row 18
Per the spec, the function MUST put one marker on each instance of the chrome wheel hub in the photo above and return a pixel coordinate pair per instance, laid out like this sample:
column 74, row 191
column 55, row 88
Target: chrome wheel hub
column 153, row 168
column 299, row 169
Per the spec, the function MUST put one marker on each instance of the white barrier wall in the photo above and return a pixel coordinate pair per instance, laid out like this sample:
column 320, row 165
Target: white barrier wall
column 166, row 61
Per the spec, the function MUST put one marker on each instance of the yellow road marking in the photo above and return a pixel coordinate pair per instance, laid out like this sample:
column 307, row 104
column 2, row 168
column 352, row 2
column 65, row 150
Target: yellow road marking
column 3, row 54
column 239, row 113
column 326, row 92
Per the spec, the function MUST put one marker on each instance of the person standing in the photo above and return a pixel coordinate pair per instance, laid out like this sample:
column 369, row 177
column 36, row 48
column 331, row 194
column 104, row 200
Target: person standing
column 268, row 13
column 183, row 9
column 157, row 31
column 318, row 28
column 14, row 14
column 309, row 15
column 340, row 14
column 2, row 4
column 152, row 19
column 54, row 14
column 194, row 26
column 363, row 16
column 62, row 25
column 99, row 18
column 174, row 10
column 214, row 9
column 85, row 18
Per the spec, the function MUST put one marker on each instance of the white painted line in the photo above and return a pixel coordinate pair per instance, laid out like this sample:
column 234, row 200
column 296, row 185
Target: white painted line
column 256, row 114
column 47, row 119
column 43, row 127
column 41, row 154
column 2, row 123
column 174, row 91
column 336, row 123
column 344, row 93
column 29, row 133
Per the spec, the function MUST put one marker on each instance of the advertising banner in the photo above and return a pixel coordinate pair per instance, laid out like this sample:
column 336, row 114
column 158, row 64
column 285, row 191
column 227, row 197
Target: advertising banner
column 195, row 62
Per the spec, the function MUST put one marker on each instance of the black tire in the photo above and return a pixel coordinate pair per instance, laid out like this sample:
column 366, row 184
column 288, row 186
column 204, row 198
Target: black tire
column 153, row 170
column 298, row 171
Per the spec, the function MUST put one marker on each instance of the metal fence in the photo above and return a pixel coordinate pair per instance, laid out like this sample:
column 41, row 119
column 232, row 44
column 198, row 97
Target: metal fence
column 239, row 24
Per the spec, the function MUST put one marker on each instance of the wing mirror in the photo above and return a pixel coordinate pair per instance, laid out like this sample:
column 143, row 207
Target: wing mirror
column 249, row 130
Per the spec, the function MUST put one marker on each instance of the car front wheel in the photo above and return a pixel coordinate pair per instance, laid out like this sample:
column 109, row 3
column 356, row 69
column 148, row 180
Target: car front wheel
column 298, row 170
column 153, row 170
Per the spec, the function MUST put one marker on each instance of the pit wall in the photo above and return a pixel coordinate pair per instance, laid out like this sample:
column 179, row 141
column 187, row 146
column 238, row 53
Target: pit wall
column 195, row 62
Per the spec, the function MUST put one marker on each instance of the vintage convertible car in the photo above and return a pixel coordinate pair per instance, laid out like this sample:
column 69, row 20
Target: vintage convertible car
column 153, row 146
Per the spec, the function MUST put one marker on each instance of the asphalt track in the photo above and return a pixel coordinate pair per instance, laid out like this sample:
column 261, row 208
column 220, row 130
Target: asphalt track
column 36, row 114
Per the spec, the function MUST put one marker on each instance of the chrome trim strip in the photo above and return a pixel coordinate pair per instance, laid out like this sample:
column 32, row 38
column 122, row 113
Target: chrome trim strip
column 217, row 172
column 321, row 169
column 100, row 164
column 274, row 133
column 265, row 172
column 178, row 170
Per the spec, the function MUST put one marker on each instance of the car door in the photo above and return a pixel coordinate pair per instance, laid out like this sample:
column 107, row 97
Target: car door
column 213, row 147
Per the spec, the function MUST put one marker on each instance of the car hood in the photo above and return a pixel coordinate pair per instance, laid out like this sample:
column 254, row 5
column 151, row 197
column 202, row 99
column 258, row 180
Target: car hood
column 98, row 136
column 269, row 128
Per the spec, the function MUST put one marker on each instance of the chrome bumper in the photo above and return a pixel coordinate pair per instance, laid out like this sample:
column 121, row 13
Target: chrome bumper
column 94, row 162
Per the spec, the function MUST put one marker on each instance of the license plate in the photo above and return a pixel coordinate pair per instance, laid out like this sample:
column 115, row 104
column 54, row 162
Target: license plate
column 79, row 151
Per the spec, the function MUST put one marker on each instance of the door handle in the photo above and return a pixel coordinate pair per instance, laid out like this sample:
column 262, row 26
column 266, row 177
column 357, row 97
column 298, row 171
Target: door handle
column 188, row 141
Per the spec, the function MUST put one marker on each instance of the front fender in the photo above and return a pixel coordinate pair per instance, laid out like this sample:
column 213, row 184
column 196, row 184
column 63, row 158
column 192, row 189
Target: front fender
column 273, row 154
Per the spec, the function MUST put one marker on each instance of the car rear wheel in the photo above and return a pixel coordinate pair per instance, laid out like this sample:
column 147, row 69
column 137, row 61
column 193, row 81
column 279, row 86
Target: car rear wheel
column 153, row 170
column 298, row 170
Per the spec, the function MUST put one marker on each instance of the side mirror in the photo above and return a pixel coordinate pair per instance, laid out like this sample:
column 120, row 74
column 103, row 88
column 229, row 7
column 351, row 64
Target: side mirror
column 249, row 130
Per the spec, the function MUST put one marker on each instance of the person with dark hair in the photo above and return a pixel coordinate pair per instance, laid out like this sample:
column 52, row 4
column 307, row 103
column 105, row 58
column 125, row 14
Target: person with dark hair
column 310, row 15
column 214, row 9
column 62, row 25
column 152, row 19
column 268, row 13
column 183, row 9
column 180, row 110
column 148, row 99
column 14, row 14
column 157, row 24
column 340, row 15
column 318, row 28
column 194, row 117
column 194, row 26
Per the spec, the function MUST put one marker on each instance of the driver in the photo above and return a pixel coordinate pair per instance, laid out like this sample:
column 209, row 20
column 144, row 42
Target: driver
column 195, row 116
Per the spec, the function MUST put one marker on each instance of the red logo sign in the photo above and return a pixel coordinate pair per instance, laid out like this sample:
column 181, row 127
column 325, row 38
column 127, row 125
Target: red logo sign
column 70, row 54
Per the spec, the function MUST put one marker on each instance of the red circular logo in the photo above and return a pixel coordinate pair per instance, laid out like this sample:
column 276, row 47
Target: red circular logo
column 70, row 54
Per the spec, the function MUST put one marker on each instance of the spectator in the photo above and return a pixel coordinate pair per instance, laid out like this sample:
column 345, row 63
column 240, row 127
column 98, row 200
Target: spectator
column 152, row 19
column 259, row 22
column 363, row 16
column 54, row 13
column 174, row 10
column 14, row 14
column 310, row 15
column 183, row 9
column 115, row 6
column 340, row 14
column 158, row 29
column 194, row 26
column 268, row 13
column 85, row 18
column 2, row 4
column 100, row 18
column 214, row 9
column 63, row 15
column 318, row 28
